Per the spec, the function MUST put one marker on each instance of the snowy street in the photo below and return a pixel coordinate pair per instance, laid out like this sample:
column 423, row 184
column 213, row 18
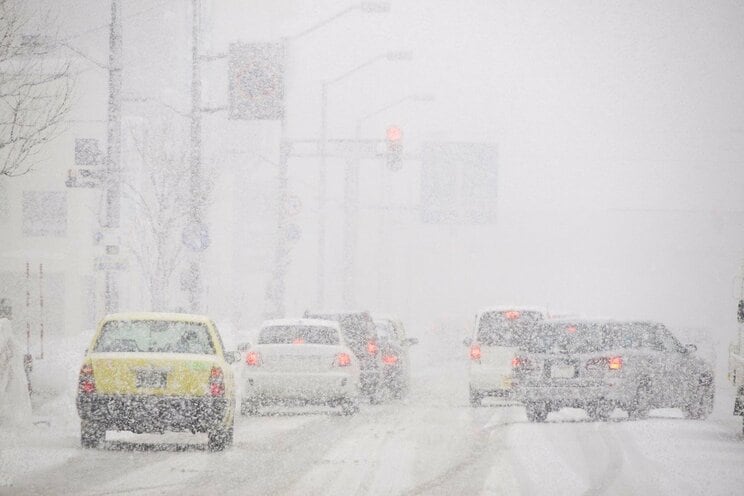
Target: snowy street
column 431, row 443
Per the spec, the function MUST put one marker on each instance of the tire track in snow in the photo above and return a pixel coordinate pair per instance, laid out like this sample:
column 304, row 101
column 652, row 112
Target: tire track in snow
column 469, row 474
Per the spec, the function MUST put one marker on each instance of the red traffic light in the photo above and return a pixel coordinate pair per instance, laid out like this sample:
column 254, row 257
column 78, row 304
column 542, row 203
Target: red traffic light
column 393, row 133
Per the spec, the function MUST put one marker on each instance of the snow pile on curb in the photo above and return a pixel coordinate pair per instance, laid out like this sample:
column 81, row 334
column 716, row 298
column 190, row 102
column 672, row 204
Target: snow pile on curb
column 15, row 404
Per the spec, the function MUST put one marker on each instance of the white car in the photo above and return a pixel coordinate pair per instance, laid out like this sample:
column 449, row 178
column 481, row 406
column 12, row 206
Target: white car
column 302, row 361
column 494, row 349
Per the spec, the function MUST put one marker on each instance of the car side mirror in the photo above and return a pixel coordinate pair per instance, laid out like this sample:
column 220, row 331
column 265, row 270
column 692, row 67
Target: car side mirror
column 232, row 357
column 467, row 341
column 411, row 341
column 690, row 348
column 244, row 346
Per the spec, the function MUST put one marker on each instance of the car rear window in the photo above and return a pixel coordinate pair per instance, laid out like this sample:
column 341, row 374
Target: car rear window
column 506, row 328
column 298, row 335
column 154, row 336
column 570, row 337
column 635, row 335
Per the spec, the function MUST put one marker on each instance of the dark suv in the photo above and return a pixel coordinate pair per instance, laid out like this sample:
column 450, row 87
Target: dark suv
column 600, row 365
column 360, row 334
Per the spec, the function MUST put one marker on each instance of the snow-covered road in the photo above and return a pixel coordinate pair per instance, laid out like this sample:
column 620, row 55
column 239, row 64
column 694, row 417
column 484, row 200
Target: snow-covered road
column 432, row 443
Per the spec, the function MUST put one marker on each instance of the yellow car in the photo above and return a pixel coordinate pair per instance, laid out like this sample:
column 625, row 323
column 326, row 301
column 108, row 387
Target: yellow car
column 152, row 372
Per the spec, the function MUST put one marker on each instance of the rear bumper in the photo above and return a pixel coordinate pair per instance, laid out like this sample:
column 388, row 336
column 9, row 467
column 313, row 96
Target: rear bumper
column 491, row 381
column 577, row 395
column 318, row 387
column 144, row 413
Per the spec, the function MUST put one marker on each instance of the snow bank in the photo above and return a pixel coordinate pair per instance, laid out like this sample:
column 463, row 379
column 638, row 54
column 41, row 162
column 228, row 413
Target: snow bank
column 15, row 403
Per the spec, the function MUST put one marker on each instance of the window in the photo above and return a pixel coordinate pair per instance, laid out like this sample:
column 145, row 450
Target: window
column 298, row 335
column 154, row 336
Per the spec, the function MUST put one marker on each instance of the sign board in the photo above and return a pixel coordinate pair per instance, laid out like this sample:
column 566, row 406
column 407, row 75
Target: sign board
column 458, row 183
column 256, row 81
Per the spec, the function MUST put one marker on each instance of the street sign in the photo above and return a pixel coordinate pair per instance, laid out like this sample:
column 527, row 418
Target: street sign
column 256, row 81
column 293, row 205
column 458, row 183
column 195, row 237
column 293, row 232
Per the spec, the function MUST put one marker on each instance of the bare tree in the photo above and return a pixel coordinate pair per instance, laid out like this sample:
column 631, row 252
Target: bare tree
column 160, row 201
column 35, row 88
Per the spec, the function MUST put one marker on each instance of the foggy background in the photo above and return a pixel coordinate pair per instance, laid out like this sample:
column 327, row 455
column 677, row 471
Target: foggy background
column 619, row 129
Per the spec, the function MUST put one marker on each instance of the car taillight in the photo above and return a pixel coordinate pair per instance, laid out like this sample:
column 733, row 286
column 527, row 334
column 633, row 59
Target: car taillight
column 611, row 363
column 520, row 362
column 253, row 358
column 372, row 347
column 615, row 363
column 343, row 360
column 389, row 359
column 216, row 382
column 87, row 382
column 298, row 341
column 475, row 352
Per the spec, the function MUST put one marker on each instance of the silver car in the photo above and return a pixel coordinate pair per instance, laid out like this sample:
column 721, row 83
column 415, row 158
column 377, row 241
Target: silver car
column 601, row 365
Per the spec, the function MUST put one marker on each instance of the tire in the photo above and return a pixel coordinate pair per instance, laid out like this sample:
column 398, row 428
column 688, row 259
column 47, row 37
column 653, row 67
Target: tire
column 220, row 438
column 248, row 408
column 349, row 406
column 641, row 404
column 92, row 434
column 702, row 405
column 599, row 411
column 536, row 412
column 476, row 398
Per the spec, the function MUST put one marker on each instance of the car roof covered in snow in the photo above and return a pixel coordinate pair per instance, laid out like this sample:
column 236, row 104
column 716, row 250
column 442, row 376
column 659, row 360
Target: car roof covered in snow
column 299, row 322
column 177, row 317
column 517, row 308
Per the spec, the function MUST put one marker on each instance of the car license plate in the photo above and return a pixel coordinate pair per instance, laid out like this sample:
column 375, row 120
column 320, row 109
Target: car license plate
column 563, row 371
column 151, row 378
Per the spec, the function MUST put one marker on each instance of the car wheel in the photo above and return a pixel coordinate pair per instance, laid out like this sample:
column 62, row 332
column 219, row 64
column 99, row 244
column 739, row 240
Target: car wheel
column 248, row 408
column 536, row 412
column 701, row 405
column 92, row 434
column 476, row 397
column 641, row 404
column 599, row 410
column 349, row 406
column 220, row 438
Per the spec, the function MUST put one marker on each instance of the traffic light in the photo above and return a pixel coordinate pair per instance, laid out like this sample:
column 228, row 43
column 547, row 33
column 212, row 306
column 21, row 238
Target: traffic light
column 394, row 153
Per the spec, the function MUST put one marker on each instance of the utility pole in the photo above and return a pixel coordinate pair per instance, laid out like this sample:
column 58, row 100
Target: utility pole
column 113, row 154
column 194, row 279
column 322, row 173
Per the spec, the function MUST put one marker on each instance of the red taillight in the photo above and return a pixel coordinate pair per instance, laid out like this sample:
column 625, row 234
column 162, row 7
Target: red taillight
column 343, row 360
column 389, row 359
column 372, row 347
column 298, row 341
column 520, row 362
column 512, row 315
column 475, row 352
column 87, row 382
column 253, row 358
column 216, row 382
column 611, row 363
